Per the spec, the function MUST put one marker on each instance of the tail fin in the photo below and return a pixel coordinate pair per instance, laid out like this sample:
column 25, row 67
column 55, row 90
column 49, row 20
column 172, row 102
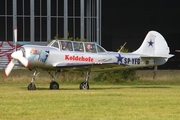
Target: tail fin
column 154, row 45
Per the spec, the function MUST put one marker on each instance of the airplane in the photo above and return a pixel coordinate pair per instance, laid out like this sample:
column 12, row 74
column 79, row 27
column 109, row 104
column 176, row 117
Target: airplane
column 62, row 55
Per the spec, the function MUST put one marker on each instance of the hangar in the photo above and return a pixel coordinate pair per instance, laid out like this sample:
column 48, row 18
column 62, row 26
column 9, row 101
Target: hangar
column 40, row 20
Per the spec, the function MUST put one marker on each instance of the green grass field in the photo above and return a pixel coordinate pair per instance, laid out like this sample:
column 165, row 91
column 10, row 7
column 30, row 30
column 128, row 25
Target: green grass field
column 144, row 99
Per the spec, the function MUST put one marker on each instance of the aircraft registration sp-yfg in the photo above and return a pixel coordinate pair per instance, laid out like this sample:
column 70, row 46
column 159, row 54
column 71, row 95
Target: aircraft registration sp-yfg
column 61, row 55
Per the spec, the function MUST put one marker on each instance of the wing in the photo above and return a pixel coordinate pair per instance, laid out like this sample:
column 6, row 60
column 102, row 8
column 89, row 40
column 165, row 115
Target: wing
column 93, row 66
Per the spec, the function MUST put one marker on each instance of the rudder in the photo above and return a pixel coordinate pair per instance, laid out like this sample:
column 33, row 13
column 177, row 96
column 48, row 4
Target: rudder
column 154, row 44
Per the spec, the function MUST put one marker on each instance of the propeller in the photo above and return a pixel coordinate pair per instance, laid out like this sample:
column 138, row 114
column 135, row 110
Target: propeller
column 16, row 56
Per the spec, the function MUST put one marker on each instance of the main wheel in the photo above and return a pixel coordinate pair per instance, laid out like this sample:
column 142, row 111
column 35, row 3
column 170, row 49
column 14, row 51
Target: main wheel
column 84, row 86
column 54, row 85
column 31, row 86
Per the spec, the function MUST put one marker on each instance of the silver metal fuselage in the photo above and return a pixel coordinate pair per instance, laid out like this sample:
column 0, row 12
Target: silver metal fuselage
column 50, row 57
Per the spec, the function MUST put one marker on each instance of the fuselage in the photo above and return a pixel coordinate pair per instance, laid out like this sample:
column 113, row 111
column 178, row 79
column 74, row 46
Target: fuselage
column 53, row 56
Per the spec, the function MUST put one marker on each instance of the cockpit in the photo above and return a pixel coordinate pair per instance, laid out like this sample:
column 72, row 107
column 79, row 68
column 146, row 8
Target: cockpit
column 66, row 45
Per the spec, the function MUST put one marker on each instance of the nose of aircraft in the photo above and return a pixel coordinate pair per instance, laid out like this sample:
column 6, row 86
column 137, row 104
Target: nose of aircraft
column 17, row 55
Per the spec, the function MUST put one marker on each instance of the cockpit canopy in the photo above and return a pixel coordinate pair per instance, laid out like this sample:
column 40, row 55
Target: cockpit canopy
column 66, row 45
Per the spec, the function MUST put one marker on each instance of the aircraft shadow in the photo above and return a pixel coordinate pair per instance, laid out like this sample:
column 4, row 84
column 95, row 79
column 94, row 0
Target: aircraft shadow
column 104, row 88
column 25, row 88
column 57, row 89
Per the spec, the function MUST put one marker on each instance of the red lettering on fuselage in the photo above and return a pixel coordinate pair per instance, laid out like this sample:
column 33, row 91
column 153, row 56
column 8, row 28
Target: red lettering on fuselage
column 79, row 58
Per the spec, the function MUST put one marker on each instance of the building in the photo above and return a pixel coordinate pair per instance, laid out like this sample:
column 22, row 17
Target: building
column 41, row 20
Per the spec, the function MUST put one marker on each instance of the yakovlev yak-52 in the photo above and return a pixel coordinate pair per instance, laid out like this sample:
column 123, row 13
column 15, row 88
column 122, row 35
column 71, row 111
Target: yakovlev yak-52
column 61, row 55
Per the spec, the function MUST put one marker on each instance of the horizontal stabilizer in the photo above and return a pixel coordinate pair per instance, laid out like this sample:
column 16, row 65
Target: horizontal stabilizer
column 158, row 56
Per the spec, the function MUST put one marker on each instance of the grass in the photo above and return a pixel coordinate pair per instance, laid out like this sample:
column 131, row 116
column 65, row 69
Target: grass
column 146, row 98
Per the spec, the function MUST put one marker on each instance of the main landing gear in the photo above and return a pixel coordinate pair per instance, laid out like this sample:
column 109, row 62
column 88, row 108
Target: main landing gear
column 85, row 85
column 53, row 83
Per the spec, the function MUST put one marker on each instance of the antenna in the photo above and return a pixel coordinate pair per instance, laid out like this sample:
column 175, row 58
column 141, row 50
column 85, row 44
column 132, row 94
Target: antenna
column 122, row 46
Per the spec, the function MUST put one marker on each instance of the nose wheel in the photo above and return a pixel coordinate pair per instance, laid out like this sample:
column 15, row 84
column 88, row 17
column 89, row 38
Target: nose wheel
column 31, row 86
column 85, row 85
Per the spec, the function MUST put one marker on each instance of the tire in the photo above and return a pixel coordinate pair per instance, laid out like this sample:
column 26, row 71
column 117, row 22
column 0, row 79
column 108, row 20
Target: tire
column 84, row 86
column 31, row 86
column 54, row 85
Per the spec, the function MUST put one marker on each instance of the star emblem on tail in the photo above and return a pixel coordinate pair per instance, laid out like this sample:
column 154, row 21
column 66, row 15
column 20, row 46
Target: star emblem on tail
column 150, row 43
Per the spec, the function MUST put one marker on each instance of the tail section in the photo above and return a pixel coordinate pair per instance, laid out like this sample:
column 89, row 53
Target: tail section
column 154, row 45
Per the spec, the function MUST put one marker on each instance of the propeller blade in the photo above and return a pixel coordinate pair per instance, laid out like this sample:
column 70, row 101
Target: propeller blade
column 15, row 37
column 9, row 67
column 24, row 61
column 19, row 56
